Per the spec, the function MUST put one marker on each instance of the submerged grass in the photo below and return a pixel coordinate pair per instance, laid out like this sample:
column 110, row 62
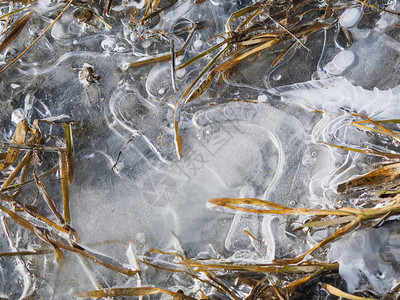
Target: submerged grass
column 261, row 26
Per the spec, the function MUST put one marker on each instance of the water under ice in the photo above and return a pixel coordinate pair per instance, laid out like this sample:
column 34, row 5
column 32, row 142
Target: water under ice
column 150, row 199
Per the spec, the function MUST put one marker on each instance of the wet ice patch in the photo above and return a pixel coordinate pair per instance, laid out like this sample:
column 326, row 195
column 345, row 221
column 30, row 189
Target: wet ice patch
column 369, row 258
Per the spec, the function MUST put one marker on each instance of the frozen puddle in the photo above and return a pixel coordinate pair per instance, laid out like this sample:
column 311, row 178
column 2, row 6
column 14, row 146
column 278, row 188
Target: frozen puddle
column 265, row 131
column 230, row 150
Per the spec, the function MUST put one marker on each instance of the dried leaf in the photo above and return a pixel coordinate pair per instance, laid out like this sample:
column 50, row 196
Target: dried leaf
column 17, row 28
column 18, row 138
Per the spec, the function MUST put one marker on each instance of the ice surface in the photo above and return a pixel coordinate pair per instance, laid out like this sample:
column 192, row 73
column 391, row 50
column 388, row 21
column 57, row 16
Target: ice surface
column 369, row 258
column 271, row 148
column 340, row 62
column 350, row 17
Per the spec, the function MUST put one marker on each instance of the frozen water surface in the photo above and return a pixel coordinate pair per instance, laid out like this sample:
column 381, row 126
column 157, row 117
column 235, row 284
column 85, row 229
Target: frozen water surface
column 263, row 134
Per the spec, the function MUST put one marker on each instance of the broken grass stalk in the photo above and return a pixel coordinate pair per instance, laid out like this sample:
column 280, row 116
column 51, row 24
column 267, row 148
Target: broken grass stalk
column 65, row 186
column 76, row 249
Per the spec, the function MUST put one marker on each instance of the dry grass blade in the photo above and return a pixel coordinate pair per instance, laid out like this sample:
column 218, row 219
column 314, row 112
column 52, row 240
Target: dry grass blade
column 202, row 87
column 378, row 8
column 381, row 128
column 281, row 55
column 24, row 163
column 80, row 250
column 274, row 267
column 339, row 293
column 114, row 292
column 178, row 136
column 371, row 121
column 17, row 147
column 174, row 270
column 238, row 59
column 291, row 34
column 209, row 65
column 65, row 186
column 183, row 258
column 76, row 249
column 204, row 53
column 234, row 203
column 173, row 65
column 70, row 151
column 323, row 269
column 48, row 199
column 330, row 222
column 221, row 286
column 25, row 253
column 278, row 292
column 155, row 13
column 250, row 18
column 18, row 219
column 387, row 121
column 102, row 21
column 17, row 28
column 240, row 13
column 149, row 61
column 356, row 216
column 381, row 177
column 58, row 254
column 36, row 135
column 163, row 57
column 389, row 155
column 25, row 170
column 396, row 136
column 107, row 8
column 35, row 214
column 38, row 38
column 338, row 234
column 16, row 186
column 7, row 15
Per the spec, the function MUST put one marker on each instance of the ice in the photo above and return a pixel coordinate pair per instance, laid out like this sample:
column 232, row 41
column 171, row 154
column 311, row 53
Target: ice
column 283, row 131
column 372, row 254
column 256, row 133
column 357, row 64
column 17, row 116
column 159, row 82
column 340, row 62
column 350, row 17
column 339, row 93
column 197, row 44
column 387, row 20
column 108, row 44
column 334, row 97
